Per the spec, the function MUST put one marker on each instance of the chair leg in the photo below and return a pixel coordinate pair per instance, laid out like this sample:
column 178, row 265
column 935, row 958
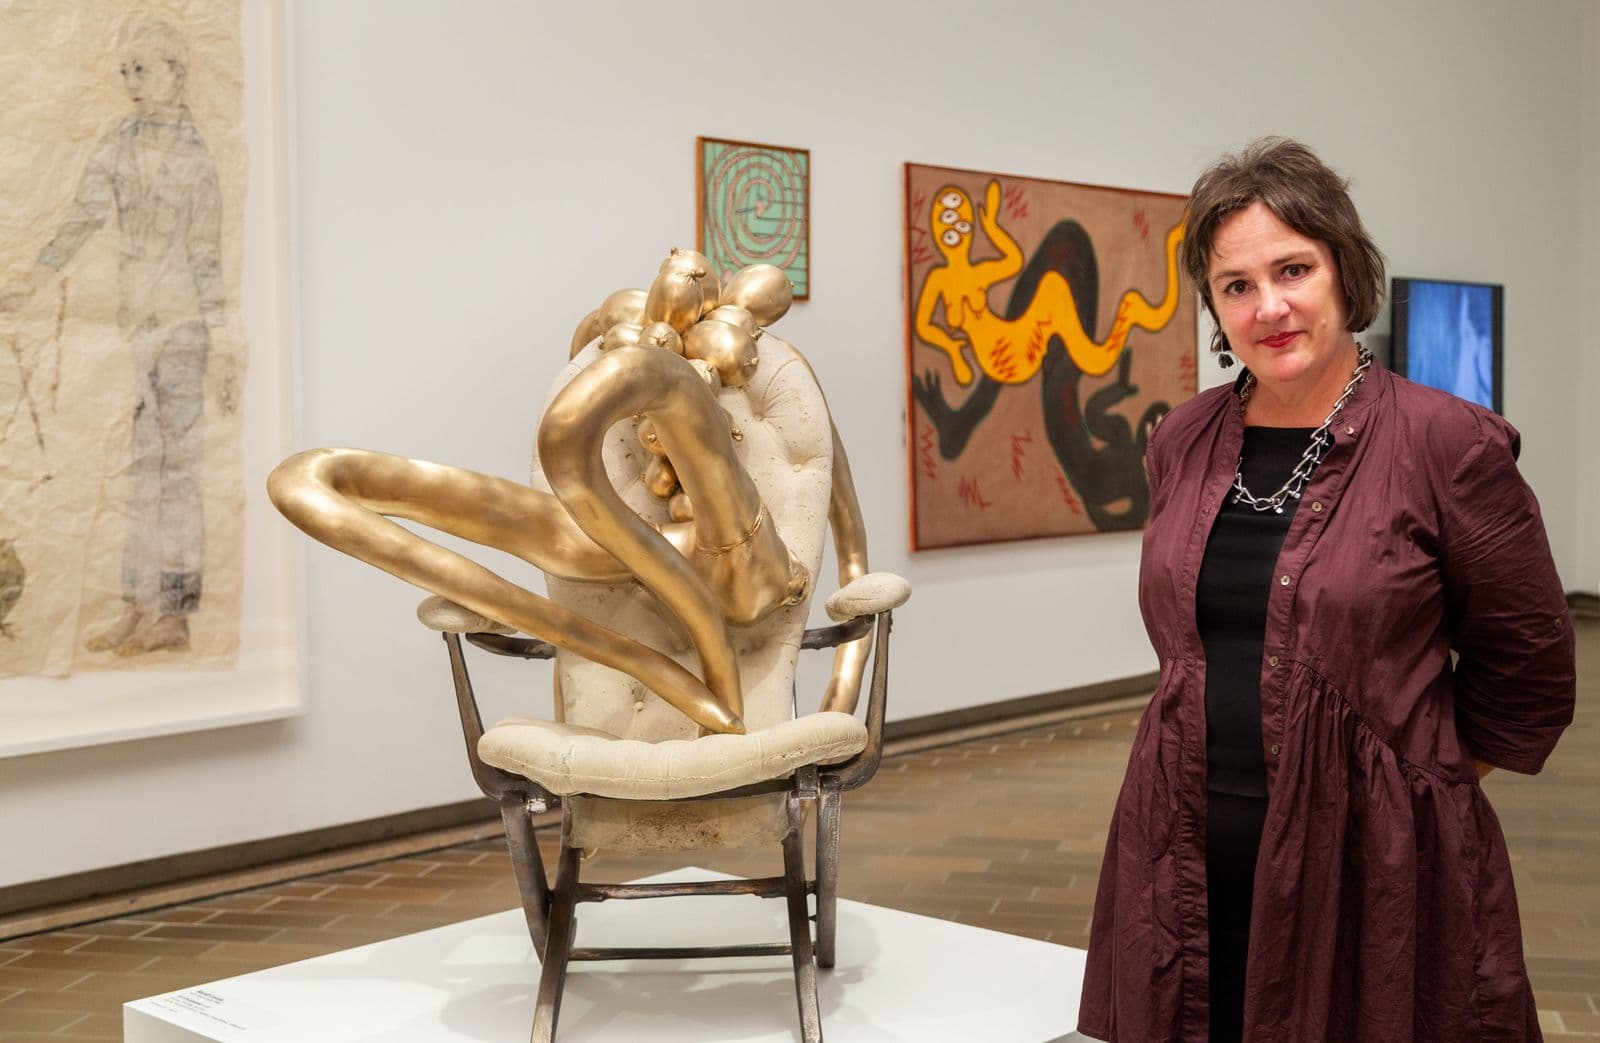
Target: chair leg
column 558, row 945
column 828, row 806
column 528, row 865
column 805, row 967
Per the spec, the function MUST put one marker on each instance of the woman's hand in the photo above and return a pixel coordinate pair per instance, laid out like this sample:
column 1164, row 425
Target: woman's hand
column 1483, row 767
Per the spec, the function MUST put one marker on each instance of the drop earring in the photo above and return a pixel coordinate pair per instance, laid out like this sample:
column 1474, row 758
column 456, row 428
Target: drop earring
column 1225, row 358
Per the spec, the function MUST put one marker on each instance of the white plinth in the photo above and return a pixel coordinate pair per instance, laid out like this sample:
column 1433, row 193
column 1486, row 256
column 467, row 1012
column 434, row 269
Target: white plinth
column 900, row 977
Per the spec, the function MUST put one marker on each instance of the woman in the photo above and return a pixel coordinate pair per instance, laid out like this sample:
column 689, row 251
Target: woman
column 1301, row 851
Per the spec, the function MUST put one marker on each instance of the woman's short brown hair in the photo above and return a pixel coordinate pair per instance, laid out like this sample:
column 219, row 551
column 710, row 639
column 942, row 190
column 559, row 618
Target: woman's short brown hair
column 1306, row 195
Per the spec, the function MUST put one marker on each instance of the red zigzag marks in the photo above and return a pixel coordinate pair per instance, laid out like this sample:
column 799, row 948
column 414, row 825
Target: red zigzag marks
column 971, row 495
column 1066, row 494
column 1015, row 201
column 1017, row 442
column 930, row 467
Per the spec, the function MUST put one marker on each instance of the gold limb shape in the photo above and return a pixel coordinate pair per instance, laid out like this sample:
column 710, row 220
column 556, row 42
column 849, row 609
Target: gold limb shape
column 341, row 497
column 739, row 569
column 850, row 549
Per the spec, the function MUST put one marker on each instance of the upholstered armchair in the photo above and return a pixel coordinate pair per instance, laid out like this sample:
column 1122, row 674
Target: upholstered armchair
column 633, row 773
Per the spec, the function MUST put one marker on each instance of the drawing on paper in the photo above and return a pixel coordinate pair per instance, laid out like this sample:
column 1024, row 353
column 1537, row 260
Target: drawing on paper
column 13, row 580
column 121, row 437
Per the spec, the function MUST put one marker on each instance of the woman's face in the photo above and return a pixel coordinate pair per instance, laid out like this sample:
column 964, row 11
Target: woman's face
column 153, row 83
column 1279, row 300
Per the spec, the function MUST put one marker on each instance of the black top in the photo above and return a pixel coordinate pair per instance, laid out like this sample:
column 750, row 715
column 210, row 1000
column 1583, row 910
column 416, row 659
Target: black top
column 1231, row 610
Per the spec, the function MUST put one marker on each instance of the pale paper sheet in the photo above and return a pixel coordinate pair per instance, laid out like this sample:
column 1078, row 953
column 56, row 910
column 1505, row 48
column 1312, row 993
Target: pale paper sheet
column 141, row 321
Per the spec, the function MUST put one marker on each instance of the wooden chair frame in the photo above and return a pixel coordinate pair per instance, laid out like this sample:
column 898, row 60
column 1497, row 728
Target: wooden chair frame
column 551, row 913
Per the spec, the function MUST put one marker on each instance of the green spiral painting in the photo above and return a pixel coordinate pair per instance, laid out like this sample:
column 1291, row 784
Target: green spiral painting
column 754, row 208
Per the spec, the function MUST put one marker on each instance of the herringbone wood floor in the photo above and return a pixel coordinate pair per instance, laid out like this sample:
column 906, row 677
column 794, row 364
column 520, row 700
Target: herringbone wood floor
column 1002, row 833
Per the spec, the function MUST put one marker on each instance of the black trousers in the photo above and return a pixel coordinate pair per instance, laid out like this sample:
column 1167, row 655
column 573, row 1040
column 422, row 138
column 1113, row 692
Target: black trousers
column 1233, row 838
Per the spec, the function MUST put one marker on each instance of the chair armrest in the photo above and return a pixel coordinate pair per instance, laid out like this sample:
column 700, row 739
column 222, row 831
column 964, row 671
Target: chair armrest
column 832, row 637
column 856, row 771
column 868, row 595
column 445, row 616
column 515, row 647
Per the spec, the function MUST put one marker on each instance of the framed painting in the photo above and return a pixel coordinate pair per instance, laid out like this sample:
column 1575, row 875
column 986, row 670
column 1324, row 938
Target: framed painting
column 1449, row 335
column 144, row 372
column 753, row 206
column 1046, row 334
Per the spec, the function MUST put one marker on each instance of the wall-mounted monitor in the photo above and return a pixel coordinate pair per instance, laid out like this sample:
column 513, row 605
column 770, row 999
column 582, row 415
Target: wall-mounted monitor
column 1448, row 335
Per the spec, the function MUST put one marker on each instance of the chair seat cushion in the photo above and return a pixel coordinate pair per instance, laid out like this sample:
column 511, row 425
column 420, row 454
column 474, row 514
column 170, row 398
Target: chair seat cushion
column 569, row 758
column 606, row 824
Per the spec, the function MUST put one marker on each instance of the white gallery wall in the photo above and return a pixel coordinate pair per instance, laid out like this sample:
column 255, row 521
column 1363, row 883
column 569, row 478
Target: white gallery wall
column 471, row 178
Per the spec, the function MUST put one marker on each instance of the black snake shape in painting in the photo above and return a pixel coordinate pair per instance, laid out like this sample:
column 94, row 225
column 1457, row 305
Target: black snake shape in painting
column 1102, row 475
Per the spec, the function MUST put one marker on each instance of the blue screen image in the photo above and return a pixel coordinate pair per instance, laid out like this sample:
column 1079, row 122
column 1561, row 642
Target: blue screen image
column 1450, row 339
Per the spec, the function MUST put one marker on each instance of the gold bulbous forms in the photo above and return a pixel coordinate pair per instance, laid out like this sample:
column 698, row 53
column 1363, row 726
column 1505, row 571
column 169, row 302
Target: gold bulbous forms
column 622, row 306
column 661, row 335
column 718, row 562
column 698, row 266
column 647, row 437
column 688, row 260
column 674, row 299
column 729, row 348
column 734, row 315
column 660, row 478
column 708, row 373
column 588, row 329
column 761, row 289
column 622, row 335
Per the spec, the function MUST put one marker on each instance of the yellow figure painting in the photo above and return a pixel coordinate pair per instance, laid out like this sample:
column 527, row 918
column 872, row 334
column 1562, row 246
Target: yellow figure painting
column 1011, row 351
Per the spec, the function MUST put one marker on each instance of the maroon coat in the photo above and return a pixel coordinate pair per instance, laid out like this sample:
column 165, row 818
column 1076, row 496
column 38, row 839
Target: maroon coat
column 1383, row 909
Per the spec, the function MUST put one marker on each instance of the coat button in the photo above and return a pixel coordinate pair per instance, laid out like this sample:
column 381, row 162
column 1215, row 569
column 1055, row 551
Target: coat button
column 1316, row 505
column 1274, row 749
column 1349, row 429
column 1283, row 581
column 1272, row 660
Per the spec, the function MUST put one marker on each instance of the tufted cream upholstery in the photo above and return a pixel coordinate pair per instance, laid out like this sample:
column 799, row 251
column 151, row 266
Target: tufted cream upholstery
column 642, row 825
column 569, row 758
column 785, row 443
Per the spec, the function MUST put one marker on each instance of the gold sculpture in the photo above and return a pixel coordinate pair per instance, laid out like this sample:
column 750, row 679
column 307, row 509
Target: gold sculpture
column 719, row 561
column 676, row 417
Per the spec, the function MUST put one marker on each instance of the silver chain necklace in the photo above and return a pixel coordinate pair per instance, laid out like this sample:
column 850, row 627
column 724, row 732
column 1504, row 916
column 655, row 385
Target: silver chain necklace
column 1321, row 442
